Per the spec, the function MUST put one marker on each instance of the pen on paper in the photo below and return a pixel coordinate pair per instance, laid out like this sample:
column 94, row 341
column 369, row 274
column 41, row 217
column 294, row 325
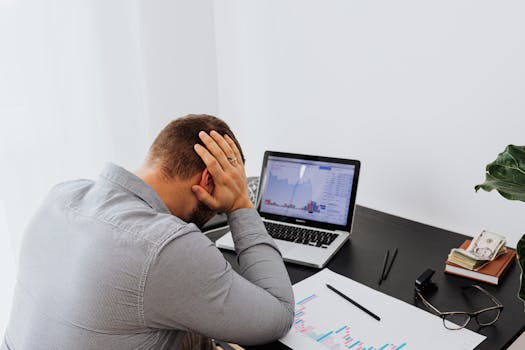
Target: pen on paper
column 353, row 302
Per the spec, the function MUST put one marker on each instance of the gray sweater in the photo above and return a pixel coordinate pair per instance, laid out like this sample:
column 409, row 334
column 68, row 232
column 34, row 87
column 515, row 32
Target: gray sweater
column 104, row 265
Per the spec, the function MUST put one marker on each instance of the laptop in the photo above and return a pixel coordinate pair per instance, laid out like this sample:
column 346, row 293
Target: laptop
column 307, row 205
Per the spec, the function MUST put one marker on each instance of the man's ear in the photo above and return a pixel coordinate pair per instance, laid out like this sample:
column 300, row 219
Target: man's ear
column 206, row 181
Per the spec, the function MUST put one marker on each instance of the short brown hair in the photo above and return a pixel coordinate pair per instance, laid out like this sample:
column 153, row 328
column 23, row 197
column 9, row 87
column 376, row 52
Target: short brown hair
column 173, row 147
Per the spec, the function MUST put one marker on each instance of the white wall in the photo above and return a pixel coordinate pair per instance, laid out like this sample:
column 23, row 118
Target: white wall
column 425, row 94
column 178, row 48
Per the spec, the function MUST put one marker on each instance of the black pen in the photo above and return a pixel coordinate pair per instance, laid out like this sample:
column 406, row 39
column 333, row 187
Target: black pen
column 385, row 261
column 354, row 302
column 391, row 263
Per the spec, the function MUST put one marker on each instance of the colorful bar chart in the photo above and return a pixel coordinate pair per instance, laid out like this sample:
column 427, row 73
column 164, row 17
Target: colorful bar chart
column 336, row 339
column 310, row 207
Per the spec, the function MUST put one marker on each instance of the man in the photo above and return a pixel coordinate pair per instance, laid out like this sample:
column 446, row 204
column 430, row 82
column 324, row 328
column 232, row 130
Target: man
column 120, row 263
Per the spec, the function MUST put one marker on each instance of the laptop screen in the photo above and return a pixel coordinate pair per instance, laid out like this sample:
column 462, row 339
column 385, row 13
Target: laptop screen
column 308, row 188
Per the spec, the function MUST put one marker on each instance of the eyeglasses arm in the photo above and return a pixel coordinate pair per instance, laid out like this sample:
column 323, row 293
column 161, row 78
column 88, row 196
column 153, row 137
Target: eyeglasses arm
column 429, row 305
column 481, row 289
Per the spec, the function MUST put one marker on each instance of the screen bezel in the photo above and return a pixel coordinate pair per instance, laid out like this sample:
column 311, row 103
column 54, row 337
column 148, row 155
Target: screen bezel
column 300, row 221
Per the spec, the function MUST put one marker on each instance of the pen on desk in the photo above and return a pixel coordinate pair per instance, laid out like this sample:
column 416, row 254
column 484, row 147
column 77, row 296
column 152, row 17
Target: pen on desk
column 385, row 261
column 353, row 302
column 390, row 265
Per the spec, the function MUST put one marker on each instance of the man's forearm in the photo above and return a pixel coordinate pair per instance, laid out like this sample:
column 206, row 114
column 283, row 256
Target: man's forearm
column 259, row 259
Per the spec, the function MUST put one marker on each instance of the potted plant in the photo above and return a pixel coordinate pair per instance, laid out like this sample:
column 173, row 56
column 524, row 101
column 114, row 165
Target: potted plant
column 507, row 176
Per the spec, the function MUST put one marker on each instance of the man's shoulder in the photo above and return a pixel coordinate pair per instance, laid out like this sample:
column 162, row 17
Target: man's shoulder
column 117, row 209
column 66, row 188
column 147, row 224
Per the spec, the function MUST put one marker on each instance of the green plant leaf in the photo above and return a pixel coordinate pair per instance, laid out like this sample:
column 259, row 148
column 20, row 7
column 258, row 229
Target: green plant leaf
column 507, row 174
column 520, row 250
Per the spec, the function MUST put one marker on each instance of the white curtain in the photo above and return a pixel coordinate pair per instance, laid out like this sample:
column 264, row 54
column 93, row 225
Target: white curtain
column 83, row 82
column 7, row 263
column 70, row 99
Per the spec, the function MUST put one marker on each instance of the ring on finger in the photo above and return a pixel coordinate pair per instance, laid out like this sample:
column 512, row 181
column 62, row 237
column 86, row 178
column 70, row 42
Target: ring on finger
column 232, row 160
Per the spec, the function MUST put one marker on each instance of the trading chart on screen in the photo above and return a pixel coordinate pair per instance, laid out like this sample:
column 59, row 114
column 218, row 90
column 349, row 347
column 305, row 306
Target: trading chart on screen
column 311, row 190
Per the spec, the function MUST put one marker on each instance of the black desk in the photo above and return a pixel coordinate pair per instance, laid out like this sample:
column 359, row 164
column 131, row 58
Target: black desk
column 420, row 247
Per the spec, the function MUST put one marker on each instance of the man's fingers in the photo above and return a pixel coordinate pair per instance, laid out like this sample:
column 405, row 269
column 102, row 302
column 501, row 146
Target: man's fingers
column 204, row 196
column 222, row 144
column 214, row 149
column 211, row 162
column 234, row 148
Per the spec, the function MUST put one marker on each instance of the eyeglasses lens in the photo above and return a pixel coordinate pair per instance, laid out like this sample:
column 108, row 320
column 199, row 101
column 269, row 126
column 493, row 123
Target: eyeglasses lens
column 488, row 317
column 456, row 320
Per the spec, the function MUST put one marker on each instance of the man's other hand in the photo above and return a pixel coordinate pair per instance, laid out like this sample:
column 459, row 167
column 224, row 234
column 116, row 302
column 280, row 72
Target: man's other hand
column 224, row 162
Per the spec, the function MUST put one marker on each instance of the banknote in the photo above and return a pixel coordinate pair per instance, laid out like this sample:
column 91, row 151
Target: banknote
column 486, row 246
column 483, row 248
column 462, row 258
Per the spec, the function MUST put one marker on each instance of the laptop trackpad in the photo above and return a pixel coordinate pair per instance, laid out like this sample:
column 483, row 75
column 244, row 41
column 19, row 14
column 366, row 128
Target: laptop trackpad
column 226, row 242
column 285, row 247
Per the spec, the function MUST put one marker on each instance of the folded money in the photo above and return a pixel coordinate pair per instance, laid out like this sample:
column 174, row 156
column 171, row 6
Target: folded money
column 483, row 249
column 486, row 245
column 458, row 257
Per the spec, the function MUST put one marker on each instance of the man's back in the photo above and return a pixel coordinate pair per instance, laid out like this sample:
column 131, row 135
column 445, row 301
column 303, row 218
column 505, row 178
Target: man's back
column 101, row 267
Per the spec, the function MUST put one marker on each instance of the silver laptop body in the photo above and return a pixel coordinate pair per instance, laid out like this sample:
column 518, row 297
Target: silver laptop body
column 307, row 204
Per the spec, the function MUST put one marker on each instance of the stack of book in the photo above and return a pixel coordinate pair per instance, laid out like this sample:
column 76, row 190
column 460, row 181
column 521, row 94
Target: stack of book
column 485, row 258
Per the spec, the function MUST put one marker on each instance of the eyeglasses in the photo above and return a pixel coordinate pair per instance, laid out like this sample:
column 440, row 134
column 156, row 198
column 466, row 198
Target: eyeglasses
column 455, row 320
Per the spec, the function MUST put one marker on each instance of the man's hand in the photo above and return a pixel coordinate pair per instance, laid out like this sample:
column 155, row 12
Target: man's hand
column 224, row 162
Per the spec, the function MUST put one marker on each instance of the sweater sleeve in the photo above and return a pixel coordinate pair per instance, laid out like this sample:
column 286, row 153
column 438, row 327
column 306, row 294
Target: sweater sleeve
column 190, row 286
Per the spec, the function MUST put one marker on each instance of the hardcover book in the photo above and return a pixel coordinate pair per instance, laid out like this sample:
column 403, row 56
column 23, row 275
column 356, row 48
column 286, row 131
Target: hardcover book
column 490, row 273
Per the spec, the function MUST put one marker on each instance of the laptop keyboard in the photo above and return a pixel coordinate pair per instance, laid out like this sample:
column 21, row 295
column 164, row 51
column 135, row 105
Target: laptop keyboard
column 300, row 235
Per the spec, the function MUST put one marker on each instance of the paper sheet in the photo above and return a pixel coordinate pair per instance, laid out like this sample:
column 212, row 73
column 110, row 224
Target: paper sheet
column 324, row 320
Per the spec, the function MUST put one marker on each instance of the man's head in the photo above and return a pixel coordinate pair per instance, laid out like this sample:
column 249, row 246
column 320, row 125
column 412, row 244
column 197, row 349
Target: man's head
column 172, row 166
column 173, row 147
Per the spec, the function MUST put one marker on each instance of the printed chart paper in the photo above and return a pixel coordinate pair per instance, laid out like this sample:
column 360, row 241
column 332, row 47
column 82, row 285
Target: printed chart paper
column 324, row 320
